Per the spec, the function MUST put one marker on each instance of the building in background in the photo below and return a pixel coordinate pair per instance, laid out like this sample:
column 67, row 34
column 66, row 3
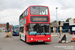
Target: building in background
column 72, row 26
column 63, row 27
column 55, row 26
column 3, row 27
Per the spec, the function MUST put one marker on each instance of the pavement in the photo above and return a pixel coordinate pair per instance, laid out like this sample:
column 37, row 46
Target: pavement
column 57, row 34
column 14, row 43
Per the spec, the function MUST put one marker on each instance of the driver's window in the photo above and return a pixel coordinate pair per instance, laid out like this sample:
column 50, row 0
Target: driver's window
column 29, row 28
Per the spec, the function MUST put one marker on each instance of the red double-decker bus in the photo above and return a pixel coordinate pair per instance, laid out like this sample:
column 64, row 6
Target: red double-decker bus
column 34, row 24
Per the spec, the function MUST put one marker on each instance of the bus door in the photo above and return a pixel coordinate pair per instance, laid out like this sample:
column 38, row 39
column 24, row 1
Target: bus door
column 22, row 32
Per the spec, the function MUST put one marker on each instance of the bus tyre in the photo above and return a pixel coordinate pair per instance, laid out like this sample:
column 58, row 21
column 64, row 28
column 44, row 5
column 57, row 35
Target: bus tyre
column 25, row 38
column 43, row 42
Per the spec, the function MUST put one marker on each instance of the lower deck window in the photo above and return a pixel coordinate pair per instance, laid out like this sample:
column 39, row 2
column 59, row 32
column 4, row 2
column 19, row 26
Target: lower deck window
column 22, row 29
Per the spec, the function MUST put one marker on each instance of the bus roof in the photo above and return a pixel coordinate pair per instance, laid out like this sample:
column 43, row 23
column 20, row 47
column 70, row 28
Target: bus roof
column 38, row 5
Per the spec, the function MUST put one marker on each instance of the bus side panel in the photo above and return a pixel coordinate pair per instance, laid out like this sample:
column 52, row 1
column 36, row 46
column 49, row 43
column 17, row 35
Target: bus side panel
column 25, row 29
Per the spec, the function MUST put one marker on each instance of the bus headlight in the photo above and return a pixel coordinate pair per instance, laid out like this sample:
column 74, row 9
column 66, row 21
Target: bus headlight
column 31, row 38
column 48, row 38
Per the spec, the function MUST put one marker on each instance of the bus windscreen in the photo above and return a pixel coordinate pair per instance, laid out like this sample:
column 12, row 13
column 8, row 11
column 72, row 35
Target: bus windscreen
column 39, row 29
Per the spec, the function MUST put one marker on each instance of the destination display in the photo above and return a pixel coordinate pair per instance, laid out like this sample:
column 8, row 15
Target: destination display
column 39, row 19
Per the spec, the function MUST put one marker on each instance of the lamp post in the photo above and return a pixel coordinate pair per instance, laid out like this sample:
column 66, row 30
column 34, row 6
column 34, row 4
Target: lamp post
column 57, row 20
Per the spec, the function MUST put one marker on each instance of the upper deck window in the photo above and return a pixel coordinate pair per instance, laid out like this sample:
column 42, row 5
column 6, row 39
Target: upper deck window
column 38, row 10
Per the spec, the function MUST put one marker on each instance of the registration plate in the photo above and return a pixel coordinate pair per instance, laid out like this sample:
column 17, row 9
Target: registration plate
column 40, row 40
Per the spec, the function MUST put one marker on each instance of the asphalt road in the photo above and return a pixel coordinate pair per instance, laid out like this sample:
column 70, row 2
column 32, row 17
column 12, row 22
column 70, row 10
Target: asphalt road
column 13, row 43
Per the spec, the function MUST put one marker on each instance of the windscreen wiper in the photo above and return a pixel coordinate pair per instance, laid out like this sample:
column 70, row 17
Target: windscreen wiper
column 44, row 31
column 35, row 34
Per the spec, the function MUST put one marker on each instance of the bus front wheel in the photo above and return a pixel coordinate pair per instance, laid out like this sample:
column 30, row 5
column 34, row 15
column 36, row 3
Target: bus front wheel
column 25, row 38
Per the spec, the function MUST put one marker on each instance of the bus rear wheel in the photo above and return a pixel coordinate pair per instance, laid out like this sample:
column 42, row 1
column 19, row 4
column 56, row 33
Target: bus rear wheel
column 20, row 37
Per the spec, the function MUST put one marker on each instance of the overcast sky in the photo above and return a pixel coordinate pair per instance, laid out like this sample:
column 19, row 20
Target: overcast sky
column 10, row 10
